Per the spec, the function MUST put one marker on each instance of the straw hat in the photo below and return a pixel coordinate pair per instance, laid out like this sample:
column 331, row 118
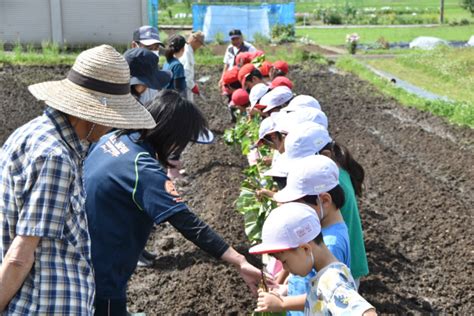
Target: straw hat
column 97, row 89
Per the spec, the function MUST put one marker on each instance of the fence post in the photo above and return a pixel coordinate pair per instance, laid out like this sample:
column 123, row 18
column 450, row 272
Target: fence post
column 56, row 22
column 441, row 12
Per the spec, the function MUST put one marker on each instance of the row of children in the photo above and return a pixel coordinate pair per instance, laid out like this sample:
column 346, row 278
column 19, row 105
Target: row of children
column 316, row 232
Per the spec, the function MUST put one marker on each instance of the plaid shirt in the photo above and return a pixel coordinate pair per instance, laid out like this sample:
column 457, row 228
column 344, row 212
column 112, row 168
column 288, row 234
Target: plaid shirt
column 41, row 194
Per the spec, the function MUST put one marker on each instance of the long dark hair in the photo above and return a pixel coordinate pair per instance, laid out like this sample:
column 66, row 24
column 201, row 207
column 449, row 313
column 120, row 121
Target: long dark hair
column 176, row 43
column 341, row 155
column 178, row 121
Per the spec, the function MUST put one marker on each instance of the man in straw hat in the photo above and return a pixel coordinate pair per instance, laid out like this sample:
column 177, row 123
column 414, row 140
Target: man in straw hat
column 194, row 42
column 45, row 250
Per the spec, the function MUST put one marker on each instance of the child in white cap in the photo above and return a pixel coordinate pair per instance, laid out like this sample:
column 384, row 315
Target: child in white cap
column 307, row 139
column 315, row 182
column 292, row 234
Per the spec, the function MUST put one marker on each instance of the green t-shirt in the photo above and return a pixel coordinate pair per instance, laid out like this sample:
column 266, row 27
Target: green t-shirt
column 350, row 213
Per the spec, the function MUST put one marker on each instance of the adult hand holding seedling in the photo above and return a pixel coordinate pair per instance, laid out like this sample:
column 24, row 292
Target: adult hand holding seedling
column 251, row 275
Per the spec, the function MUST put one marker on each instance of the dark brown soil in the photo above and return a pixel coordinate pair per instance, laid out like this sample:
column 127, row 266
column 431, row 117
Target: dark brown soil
column 416, row 210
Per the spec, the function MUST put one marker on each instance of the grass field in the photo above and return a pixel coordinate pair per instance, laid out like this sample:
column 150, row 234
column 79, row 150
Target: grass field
column 443, row 71
column 453, row 10
column 392, row 35
column 458, row 112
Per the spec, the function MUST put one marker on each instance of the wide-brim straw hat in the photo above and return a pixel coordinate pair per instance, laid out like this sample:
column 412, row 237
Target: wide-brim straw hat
column 97, row 90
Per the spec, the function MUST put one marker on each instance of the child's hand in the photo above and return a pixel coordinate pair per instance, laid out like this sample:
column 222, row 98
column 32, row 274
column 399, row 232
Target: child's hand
column 264, row 192
column 269, row 302
column 267, row 161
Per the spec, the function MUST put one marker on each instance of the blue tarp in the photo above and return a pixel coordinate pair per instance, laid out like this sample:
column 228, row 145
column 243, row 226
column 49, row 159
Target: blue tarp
column 153, row 12
column 250, row 19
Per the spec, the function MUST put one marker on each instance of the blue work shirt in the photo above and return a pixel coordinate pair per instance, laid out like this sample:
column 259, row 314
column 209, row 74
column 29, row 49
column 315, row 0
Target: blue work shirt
column 127, row 193
column 336, row 239
column 177, row 69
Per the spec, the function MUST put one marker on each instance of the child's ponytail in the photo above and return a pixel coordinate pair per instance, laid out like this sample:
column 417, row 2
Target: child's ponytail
column 175, row 44
column 341, row 155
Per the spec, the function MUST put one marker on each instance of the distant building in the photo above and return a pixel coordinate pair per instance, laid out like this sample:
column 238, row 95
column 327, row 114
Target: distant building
column 74, row 22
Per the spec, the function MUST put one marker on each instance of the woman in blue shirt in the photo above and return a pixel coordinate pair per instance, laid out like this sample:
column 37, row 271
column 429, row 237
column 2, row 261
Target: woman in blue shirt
column 128, row 192
column 174, row 51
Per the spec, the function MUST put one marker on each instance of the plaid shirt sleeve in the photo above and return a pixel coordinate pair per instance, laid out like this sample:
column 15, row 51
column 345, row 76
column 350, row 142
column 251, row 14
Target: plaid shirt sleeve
column 46, row 197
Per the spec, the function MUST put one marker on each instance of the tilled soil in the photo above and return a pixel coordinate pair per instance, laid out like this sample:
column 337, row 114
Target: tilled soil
column 416, row 209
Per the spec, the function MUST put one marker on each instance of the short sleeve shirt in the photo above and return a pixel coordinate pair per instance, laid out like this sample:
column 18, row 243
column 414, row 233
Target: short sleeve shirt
column 127, row 192
column 333, row 292
column 178, row 73
column 350, row 213
column 41, row 194
column 232, row 51
column 336, row 240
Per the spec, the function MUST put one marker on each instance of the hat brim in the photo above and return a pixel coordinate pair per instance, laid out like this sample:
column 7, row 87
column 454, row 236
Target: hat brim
column 235, row 36
column 274, row 172
column 270, row 107
column 117, row 111
column 287, row 195
column 268, row 248
column 148, row 42
column 203, row 139
column 159, row 80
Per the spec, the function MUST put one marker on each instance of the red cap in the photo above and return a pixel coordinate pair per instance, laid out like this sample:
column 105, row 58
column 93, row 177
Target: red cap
column 265, row 68
column 281, row 65
column 281, row 81
column 256, row 54
column 240, row 97
column 244, row 71
column 243, row 58
column 231, row 76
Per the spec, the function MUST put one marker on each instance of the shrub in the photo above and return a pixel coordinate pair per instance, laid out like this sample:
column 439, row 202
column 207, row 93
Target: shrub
column 382, row 43
column 261, row 39
column 283, row 33
column 219, row 38
column 333, row 18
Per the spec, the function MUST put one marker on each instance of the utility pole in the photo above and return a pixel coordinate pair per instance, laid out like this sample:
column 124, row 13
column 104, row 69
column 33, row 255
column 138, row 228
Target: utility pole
column 441, row 12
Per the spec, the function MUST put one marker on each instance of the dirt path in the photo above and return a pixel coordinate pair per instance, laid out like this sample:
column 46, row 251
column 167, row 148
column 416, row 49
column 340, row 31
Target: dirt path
column 417, row 209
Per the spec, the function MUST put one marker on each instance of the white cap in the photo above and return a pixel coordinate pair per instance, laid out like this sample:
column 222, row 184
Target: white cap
column 306, row 115
column 257, row 92
column 306, row 139
column 313, row 175
column 269, row 125
column 279, row 168
column 275, row 98
column 287, row 227
column 302, row 101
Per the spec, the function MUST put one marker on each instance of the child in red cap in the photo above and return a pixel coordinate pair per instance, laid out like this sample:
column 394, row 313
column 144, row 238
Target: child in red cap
column 265, row 69
column 280, row 68
column 281, row 81
column 240, row 100
column 249, row 76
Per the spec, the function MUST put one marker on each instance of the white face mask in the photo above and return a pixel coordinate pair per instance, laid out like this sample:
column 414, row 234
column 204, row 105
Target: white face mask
column 147, row 95
column 156, row 52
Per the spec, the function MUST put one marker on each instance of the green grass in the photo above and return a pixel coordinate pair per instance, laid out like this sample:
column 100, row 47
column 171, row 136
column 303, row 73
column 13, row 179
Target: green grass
column 178, row 7
column 461, row 113
column 452, row 9
column 292, row 53
column 30, row 58
column 370, row 35
column 443, row 71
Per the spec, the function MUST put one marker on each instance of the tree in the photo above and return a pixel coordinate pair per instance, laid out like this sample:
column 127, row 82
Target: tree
column 468, row 5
